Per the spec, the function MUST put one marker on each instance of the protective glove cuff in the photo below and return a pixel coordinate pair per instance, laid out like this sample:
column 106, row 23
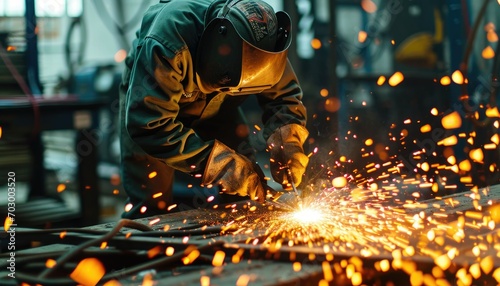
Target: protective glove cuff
column 295, row 134
column 232, row 172
column 219, row 158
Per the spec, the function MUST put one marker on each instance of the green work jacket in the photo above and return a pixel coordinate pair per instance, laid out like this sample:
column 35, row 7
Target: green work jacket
column 163, row 102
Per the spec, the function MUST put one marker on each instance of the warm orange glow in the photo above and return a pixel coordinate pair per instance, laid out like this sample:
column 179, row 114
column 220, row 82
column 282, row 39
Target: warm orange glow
column 492, row 36
column 61, row 188
column 243, row 280
column 449, row 141
column 324, row 92
column 368, row 6
column 128, row 207
column 492, row 112
column 297, row 266
column 452, row 121
column 112, row 283
column 62, row 234
column 369, row 142
column 218, row 259
column 115, row 179
column 332, row 104
column 88, row 271
column 191, row 257
column 316, row 44
column 457, row 77
column 104, row 244
column 169, row 251
column 434, row 111
column 488, row 53
column 0, row 131
column 381, row 80
column 205, row 281
column 451, row 159
column 362, row 36
column 154, row 251
column 7, row 223
column 339, row 182
column 445, row 80
column 495, row 139
column 396, row 78
column 50, row 263
column 443, row 261
column 327, row 271
column 465, row 165
column 426, row 128
column 476, row 155
column 157, row 195
column 120, row 55
column 152, row 174
column 11, row 48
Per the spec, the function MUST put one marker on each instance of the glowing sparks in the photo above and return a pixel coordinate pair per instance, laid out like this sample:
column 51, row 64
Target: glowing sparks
column 445, row 80
column 61, row 188
column 88, row 271
column 457, row 77
column 488, row 53
column 218, row 259
column 362, row 36
column 452, row 121
column 492, row 112
column 308, row 216
column 368, row 6
column 381, row 80
column 8, row 223
column 50, row 263
column 396, row 79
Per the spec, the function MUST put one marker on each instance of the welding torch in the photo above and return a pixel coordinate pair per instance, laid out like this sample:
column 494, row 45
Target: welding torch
column 294, row 187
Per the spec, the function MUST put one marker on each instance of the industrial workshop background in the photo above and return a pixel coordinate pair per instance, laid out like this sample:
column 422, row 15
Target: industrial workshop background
column 370, row 67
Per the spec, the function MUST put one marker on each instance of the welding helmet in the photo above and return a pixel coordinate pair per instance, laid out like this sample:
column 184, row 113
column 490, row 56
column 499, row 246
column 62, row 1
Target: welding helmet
column 244, row 49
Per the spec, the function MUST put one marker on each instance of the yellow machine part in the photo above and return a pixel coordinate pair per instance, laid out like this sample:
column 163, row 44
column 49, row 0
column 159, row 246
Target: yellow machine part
column 418, row 48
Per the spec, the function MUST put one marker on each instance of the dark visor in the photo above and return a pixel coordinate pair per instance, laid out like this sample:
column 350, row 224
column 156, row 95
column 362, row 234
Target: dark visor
column 227, row 63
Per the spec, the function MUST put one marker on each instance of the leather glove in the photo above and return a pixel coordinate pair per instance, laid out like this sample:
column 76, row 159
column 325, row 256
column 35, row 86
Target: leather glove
column 234, row 173
column 287, row 153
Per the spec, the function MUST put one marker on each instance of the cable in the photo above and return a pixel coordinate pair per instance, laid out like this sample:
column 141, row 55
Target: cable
column 25, row 88
column 63, row 259
column 153, row 264
column 67, row 45
column 152, row 233
column 464, row 97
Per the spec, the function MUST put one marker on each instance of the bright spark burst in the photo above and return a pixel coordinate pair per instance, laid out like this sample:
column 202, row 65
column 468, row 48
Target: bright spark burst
column 382, row 207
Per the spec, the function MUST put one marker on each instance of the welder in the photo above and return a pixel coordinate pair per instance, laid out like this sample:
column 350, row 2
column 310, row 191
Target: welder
column 192, row 65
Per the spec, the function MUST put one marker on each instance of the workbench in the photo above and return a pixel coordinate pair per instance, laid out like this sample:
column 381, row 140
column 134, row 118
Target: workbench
column 199, row 247
column 27, row 117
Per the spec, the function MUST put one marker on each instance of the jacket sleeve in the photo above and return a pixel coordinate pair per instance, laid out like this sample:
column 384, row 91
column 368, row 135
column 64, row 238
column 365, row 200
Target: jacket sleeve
column 282, row 104
column 152, row 108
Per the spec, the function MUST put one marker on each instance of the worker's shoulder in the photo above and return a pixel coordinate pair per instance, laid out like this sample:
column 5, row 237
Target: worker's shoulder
column 178, row 12
column 175, row 23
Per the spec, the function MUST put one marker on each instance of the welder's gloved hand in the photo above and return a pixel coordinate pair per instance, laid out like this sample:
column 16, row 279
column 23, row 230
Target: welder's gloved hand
column 233, row 172
column 287, row 152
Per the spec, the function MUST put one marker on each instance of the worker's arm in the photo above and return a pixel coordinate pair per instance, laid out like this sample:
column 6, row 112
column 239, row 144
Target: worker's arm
column 153, row 96
column 152, row 108
column 282, row 104
column 284, row 120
